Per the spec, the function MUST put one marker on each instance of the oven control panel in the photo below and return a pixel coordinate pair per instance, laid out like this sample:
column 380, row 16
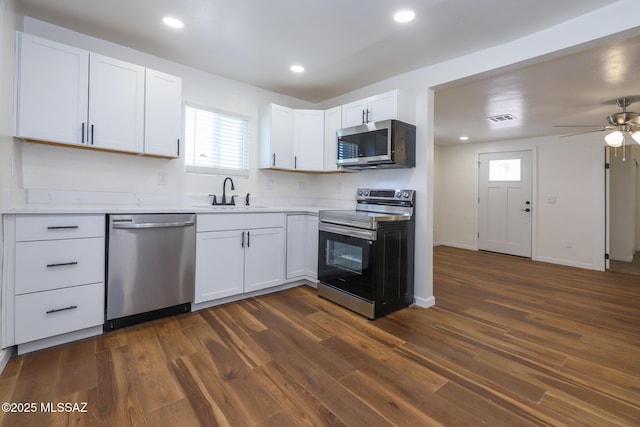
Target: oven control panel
column 375, row 194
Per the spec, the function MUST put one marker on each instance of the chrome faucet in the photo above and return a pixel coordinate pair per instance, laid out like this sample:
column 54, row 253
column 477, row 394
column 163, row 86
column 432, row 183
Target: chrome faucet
column 224, row 196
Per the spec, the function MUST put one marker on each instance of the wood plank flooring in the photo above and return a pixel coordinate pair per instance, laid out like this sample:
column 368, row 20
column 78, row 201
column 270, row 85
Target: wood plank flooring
column 511, row 342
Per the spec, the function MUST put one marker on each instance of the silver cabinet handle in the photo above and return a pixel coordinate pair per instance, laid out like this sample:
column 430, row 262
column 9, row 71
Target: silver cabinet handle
column 274, row 160
column 55, row 310
column 155, row 225
column 248, row 239
column 242, row 244
column 62, row 227
column 62, row 264
column 92, row 135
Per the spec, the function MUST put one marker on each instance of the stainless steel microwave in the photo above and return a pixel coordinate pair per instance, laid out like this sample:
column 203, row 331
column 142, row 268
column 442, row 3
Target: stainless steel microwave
column 384, row 144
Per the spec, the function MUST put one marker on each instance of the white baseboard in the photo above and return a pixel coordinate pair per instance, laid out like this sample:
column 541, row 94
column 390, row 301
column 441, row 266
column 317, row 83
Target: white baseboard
column 425, row 302
column 456, row 245
column 568, row 263
column 621, row 258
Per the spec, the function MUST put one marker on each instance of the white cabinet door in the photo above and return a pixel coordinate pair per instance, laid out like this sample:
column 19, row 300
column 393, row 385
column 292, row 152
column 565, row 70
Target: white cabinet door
column 116, row 104
column 311, row 249
column 353, row 114
column 332, row 122
column 219, row 265
column 52, row 82
column 296, row 245
column 163, row 114
column 277, row 138
column 264, row 258
column 383, row 106
column 373, row 109
column 308, row 137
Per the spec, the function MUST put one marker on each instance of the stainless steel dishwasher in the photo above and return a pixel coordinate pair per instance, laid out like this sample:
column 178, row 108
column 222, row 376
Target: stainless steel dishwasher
column 150, row 267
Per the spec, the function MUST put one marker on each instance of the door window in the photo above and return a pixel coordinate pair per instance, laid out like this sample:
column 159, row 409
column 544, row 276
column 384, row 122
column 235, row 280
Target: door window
column 505, row 170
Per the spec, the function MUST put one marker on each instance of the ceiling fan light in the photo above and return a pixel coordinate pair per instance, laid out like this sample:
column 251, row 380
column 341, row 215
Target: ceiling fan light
column 636, row 136
column 614, row 139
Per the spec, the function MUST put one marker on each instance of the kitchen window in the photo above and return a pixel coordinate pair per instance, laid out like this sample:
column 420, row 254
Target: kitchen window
column 215, row 143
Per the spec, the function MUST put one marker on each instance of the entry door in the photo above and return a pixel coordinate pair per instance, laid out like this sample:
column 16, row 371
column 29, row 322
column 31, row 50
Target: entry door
column 504, row 204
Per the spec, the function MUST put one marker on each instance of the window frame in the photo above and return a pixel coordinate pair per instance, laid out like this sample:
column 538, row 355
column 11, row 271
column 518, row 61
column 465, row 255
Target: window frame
column 208, row 170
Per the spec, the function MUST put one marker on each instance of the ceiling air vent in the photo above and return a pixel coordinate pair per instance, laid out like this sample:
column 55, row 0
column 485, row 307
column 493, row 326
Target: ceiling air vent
column 501, row 118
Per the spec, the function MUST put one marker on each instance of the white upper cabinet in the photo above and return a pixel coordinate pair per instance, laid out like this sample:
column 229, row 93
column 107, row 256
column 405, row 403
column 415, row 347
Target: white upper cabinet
column 71, row 96
column 354, row 113
column 163, row 114
column 308, row 140
column 373, row 109
column 332, row 122
column 116, row 104
column 383, row 106
column 52, row 90
column 276, row 137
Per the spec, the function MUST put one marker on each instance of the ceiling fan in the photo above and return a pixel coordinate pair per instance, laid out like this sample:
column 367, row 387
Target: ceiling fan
column 620, row 124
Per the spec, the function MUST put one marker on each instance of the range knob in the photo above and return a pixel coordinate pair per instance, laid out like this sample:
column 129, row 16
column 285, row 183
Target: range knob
column 366, row 193
column 359, row 192
column 405, row 194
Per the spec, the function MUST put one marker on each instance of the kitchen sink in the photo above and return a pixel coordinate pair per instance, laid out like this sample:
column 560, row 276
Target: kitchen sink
column 231, row 207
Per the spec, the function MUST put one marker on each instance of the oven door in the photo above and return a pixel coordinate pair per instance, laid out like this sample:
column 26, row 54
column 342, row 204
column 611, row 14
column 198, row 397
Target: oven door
column 346, row 259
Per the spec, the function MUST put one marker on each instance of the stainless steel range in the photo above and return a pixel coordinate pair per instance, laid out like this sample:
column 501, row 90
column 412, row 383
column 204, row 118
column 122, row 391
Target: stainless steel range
column 365, row 256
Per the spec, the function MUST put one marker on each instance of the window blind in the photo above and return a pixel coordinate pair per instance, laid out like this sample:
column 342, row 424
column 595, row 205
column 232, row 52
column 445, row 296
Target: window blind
column 215, row 143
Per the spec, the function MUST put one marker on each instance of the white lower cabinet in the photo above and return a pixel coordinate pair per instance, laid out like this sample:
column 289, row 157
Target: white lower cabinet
column 45, row 314
column 238, row 253
column 302, row 246
column 219, row 265
column 53, row 288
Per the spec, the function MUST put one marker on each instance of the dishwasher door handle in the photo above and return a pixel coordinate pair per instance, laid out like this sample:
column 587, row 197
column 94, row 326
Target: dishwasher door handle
column 155, row 225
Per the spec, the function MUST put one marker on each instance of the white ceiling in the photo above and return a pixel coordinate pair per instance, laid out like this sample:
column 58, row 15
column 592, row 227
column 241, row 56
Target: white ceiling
column 345, row 45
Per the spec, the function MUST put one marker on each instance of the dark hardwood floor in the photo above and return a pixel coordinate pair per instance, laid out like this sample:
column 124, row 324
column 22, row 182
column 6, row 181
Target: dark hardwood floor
column 511, row 342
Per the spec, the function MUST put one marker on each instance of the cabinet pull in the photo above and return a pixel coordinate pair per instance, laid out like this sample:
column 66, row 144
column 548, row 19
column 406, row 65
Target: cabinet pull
column 62, row 227
column 248, row 239
column 55, row 310
column 91, row 134
column 178, row 147
column 242, row 244
column 368, row 118
column 295, row 162
column 363, row 122
column 274, row 160
column 82, row 139
column 62, row 264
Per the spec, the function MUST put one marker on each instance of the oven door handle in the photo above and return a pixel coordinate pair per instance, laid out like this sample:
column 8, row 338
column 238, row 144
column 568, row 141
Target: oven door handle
column 348, row 231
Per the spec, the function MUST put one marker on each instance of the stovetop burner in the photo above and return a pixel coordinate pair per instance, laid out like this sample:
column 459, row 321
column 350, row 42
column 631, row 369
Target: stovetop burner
column 374, row 206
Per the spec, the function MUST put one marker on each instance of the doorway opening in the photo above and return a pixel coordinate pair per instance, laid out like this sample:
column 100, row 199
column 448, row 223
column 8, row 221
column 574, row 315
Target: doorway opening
column 623, row 206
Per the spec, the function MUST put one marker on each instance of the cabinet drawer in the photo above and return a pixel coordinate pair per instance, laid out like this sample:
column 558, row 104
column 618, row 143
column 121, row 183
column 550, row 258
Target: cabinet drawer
column 50, row 227
column 46, row 314
column 46, row 265
column 239, row 221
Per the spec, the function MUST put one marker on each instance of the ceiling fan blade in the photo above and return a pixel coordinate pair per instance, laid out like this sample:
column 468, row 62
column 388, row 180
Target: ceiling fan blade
column 577, row 126
column 582, row 133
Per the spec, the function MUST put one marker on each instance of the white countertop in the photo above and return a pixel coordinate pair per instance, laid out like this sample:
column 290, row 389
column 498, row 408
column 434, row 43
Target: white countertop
column 53, row 208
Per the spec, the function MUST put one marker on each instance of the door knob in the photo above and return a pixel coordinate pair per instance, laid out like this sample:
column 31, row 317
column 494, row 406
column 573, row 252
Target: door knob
column 526, row 210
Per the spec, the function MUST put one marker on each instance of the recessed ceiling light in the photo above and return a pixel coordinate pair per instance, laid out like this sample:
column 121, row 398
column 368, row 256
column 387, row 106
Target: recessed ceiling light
column 172, row 22
column 403, row 16
column 297, row 68
column 464, row 138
